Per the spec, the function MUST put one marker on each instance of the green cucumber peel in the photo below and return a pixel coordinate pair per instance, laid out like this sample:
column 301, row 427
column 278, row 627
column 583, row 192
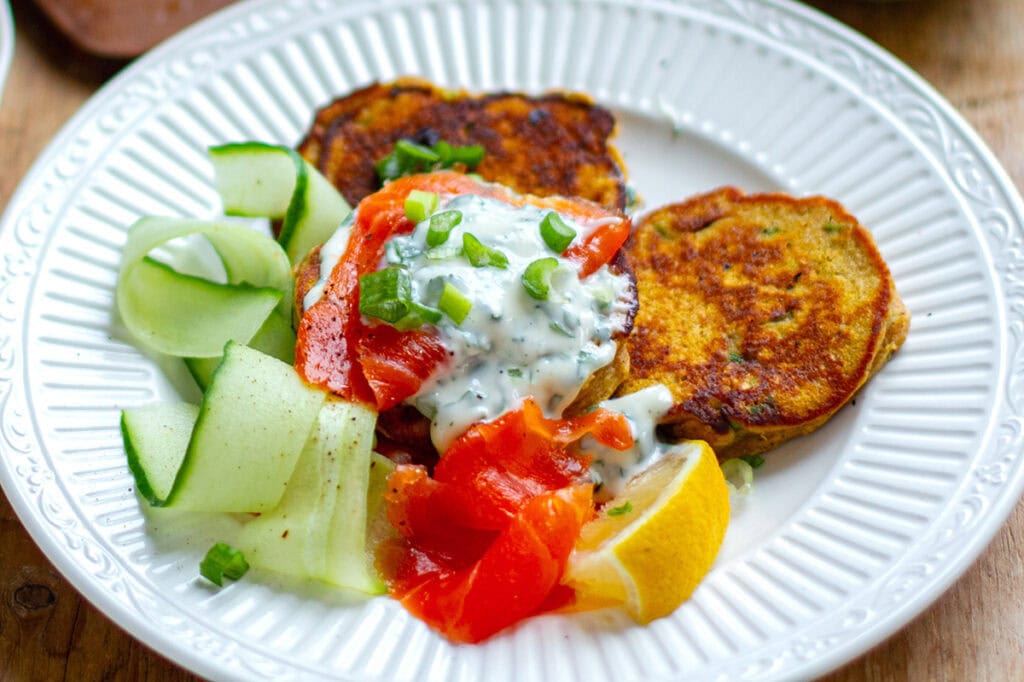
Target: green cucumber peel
column 318, row 530
column 347, row 564
column 258, row 179
column 276, row 338
column 188, row 316
column 378, row 527
column 253, row 422
column 318, row 211
column 292, row 537
column 184, row 315
column 155, row 440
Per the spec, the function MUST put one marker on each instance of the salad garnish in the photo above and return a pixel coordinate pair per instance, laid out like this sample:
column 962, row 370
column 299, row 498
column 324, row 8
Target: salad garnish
column 410, row 158
column 439, row 293
column 223, row 561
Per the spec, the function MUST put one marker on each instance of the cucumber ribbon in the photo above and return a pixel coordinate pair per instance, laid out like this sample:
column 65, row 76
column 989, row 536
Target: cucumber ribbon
column 185, row 315
column 258, row 179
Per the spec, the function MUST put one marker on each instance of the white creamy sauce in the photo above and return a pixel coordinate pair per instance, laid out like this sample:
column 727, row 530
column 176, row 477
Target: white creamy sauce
column 510, row 345
column 611, row 468
column 330, row 253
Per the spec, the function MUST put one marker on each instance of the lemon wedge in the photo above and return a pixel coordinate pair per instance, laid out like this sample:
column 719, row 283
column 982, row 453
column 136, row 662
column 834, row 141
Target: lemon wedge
column 650, row 546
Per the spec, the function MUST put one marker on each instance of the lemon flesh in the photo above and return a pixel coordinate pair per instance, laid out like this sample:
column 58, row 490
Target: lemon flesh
column 650, row 547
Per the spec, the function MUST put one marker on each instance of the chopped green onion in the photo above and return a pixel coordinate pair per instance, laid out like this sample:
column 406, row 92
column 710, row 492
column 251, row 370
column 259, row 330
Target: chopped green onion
column 444, row 152
column 223, row 561
column 469, row 155
column 389, row 168
column 481, row 255
column 514, row 372
column 417, row 316
column 441, row 225
column 624, row 508
column 537, row 277
column 753, row 460
column 559, row 328
column 411, row 150
column 556, row 234
column 766, row 406
column 739, row 475
column 454, row 303
column 419, row 205
column 442, row 252
column 407, row 158
column 385, row 294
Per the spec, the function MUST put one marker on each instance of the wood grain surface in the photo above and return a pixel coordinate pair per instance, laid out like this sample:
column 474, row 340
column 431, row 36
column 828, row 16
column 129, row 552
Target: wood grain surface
column 972, row 51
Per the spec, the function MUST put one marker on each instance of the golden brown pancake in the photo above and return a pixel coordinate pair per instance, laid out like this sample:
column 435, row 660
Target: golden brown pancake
column 763, row 314
column 554, row 144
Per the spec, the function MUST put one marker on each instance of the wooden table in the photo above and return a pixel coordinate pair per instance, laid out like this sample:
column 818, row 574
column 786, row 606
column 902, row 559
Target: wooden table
column 971, row 50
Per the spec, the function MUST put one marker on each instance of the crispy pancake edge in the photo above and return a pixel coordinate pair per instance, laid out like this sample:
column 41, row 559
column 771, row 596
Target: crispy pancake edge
column 730, row 431
column 557, row 143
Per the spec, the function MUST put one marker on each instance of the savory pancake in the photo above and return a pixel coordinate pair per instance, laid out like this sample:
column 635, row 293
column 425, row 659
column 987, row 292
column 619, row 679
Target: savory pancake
column 763, row 314
column 554, row 144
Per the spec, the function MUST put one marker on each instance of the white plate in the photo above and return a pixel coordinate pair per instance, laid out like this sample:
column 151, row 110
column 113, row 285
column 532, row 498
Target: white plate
column 850, row 532
column 6, row 42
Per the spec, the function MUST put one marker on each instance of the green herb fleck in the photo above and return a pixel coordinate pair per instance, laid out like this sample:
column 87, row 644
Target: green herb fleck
column 766, row 406
column 753, row 460
column 736, row 357
column 664, row 229
column 624, row 508
column 558, row 328
column 832, row 226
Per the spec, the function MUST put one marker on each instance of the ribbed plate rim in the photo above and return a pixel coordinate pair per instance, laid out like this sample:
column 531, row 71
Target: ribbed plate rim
column 1004, row 502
